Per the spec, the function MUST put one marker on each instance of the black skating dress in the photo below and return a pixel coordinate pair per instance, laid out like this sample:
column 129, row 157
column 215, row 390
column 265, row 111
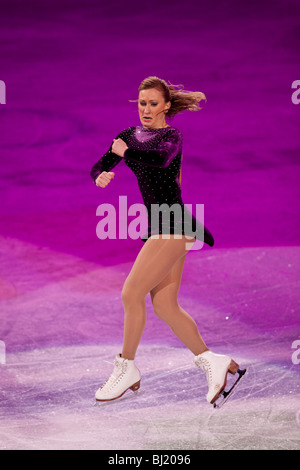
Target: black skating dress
column 154, row 156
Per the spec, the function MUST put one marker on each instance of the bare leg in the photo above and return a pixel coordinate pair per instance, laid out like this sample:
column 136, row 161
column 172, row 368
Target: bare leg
column 153, row 263
column 157, row 269
column 166, row 307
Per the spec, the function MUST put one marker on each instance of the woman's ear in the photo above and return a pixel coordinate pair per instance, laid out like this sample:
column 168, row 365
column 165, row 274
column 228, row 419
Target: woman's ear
column 168, row 106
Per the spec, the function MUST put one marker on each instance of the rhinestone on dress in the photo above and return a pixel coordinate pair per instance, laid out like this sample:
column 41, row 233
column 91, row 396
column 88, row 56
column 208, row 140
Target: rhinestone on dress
column 154, row 156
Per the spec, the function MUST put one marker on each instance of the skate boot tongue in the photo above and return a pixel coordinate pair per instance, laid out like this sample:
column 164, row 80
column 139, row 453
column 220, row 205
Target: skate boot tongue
column 120, row 365
column 203, row 363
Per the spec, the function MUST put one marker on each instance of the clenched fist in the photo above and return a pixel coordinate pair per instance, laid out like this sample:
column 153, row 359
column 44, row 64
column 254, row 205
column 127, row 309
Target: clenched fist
column 104, row 178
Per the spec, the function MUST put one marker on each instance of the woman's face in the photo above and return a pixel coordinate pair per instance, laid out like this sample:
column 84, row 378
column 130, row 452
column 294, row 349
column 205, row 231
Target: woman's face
column 152, row 107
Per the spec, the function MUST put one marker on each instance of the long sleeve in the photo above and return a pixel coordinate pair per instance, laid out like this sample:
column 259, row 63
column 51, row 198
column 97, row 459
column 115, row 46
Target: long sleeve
column 106, row 163
column 162, row 156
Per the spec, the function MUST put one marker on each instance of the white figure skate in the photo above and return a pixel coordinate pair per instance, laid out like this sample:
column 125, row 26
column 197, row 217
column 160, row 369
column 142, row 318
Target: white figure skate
column 216, row 368
column 125, row 376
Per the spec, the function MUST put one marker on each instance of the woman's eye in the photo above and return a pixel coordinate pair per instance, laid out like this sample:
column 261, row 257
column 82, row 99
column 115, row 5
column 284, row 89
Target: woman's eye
column 144, row 104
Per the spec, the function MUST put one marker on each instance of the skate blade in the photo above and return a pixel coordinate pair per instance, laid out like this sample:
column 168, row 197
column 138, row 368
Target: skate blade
column 230, row 392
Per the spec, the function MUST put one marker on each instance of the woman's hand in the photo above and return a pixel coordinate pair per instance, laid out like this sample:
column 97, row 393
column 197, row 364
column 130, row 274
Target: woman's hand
column 119, row 147
column 104, row 178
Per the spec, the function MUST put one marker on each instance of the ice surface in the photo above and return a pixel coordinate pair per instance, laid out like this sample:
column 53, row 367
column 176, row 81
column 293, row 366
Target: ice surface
column 62, row 335
column 47, row 402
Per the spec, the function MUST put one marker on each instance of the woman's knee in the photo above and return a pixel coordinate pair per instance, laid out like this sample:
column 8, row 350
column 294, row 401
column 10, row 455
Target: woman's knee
column 166, row 311
column 131, row 294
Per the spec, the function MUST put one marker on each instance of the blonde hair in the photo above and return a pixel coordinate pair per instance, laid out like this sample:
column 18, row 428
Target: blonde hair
column 180, row 100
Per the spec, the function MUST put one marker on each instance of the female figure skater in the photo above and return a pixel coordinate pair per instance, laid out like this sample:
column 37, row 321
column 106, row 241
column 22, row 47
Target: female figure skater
column 153, row 151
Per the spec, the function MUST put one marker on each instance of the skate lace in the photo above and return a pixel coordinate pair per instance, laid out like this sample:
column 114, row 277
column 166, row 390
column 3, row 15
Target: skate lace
column 205, row 366
column 116, row 376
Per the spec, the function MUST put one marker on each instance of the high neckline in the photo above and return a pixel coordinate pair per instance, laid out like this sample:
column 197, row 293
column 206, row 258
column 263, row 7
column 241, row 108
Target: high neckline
column 153, row 128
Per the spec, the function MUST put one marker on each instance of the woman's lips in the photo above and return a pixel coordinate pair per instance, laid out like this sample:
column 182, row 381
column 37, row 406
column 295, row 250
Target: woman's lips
column 147, row 118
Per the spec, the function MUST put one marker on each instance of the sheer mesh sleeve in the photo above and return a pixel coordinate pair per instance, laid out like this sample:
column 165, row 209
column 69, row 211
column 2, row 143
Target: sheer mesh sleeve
column 162, row 156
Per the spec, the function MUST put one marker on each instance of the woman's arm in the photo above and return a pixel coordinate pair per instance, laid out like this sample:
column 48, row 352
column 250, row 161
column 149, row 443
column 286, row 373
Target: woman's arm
column 108, row 161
